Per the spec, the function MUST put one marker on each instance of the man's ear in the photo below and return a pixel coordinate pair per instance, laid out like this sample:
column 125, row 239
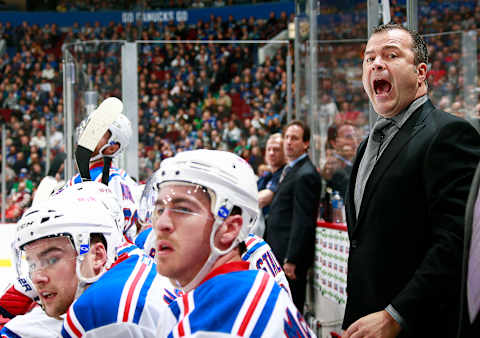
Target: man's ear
column 98, row 257
column 421, row 70
column 228, row 231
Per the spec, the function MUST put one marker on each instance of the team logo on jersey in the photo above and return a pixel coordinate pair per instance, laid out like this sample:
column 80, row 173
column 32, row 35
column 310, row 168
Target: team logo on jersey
column 24, row 283
column 295, row 327
column 126, row 193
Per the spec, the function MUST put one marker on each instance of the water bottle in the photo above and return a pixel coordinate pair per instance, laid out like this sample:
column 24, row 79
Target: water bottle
column 327, row 205
column 337, row 208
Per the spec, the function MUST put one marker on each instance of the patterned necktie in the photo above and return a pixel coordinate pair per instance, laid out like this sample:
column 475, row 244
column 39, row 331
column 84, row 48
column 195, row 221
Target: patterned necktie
column 370, row 157
column 285, row 171
column 473, row 281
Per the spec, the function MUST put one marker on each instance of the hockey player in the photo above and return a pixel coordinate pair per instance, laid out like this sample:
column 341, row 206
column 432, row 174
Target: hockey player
column 257, row 253
column 203, row 203
column 69, row 242
column 114, row 141
column 19, row 297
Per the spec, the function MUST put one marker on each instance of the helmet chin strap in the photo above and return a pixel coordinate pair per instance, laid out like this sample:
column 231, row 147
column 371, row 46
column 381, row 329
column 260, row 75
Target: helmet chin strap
column 215, row 252
column 83, row 242
column 84, row 282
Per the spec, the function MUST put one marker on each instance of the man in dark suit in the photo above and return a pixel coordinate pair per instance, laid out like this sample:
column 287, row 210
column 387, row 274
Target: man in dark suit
column 291, row 223
column 405, row 203
column 469, row 301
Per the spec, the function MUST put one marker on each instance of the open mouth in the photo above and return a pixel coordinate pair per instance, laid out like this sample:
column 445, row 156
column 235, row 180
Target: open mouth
column 381, row 87
column 47, row 295
column 164, row 248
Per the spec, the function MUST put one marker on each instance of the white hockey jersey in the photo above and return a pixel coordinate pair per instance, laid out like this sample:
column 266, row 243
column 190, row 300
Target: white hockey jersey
column 125, row 188
column 259, row 255
column 258, row 307
column 34, row 324
column 124, row 302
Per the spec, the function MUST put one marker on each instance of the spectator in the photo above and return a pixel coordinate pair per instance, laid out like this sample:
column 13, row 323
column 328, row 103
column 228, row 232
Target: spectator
column 20, row 163
column 19, row 199
column 232, row 134
column 56, row 138
column 224, row 100
column 39, row 140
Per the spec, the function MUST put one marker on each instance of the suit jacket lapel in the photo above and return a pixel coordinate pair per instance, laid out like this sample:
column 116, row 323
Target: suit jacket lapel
column 411, row 127
column 295, row 168
column 351, row 211
column 288, row 177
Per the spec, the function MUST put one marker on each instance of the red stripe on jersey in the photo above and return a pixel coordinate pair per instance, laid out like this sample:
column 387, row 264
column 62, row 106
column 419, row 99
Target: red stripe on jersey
column 253, row 305
column 128, row 241
column 249, row 242
column 226, row 268
column 130, row 292
column 72, row 326
column 186, row 309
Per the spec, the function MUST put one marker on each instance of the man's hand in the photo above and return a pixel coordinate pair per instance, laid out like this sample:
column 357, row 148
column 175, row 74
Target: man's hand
column 289, row 269
column 378, row 324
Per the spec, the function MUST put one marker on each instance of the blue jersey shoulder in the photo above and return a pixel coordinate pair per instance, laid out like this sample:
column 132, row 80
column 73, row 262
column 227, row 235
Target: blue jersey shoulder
column 142, row 237
column 119, row 294
column 221, row 315
column 6, row 333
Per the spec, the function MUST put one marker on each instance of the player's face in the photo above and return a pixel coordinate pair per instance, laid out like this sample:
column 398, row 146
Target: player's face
column 102, row 142
column 182, row 222
column 51, row 263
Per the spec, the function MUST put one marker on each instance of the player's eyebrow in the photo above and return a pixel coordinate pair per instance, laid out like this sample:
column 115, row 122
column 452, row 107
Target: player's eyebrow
column 175, row 200
column 46, row 252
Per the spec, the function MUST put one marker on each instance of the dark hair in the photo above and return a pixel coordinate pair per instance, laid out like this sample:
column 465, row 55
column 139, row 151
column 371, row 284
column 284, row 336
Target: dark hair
column 301, row 124
column 98, row 238
column 242, row 246
column 419, row 46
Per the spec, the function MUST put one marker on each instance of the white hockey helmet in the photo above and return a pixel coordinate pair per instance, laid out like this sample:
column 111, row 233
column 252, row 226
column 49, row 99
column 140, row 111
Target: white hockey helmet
column 229, row 180
column 75, row 212
column 227, row 175
column 121, row 132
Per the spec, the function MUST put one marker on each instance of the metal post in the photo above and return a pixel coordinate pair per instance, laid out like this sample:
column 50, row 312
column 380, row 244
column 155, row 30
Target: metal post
column 470, row 71
column 4, row 171
column 312, row 4
column 372, row 21
column 91, row 100
column 68, row 110
column 412, row 14
column 372, row 15
column 47, row 149
column 289, row 85
column 298, row 66
column 130, row 105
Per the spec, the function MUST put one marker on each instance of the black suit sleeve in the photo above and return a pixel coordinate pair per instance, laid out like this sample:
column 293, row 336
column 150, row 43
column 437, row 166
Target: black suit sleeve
column 448, row 169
